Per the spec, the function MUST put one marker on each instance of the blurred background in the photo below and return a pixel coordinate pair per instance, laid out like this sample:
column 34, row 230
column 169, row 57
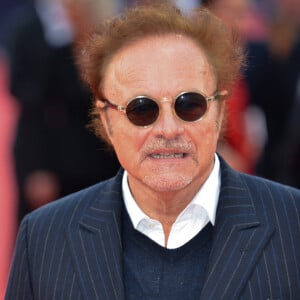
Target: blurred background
column 46, row 150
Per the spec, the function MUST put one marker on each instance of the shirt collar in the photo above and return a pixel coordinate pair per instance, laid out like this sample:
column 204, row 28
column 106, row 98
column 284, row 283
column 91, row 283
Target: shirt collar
column 207, row 197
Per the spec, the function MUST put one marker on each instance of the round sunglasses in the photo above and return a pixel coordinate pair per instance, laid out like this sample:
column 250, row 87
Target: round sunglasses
column 144, row 111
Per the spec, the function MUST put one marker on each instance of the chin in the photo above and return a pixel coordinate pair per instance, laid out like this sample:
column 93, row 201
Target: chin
column 167, row 183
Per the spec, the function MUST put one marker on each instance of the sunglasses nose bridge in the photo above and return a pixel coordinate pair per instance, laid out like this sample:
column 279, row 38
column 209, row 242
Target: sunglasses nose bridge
column 167, row 124
column 165, row 100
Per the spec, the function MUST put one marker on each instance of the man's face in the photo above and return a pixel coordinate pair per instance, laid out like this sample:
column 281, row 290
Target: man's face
column 169, row 155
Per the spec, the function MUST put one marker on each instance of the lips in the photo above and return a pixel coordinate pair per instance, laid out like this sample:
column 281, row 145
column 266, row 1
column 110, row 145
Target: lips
column 167, row 155
column 162, row 149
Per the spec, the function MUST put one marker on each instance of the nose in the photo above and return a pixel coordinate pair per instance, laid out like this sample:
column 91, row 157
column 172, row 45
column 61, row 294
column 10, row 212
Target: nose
column 168, row 125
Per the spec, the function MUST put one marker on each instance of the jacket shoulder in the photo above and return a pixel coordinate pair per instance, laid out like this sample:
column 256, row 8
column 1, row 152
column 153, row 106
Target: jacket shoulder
column 72, row 206
column 272, row 193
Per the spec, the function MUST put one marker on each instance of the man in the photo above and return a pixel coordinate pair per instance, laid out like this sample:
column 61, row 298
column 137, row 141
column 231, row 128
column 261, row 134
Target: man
column 178, row 223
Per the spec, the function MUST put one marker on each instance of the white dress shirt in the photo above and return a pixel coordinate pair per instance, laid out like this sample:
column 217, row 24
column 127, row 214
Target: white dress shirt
column 197, row 214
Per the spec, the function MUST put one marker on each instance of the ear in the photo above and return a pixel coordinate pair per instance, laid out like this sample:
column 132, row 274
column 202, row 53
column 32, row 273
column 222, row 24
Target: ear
column 100, row 104
column 223, row 93
column 103, row 114
column 221, row 117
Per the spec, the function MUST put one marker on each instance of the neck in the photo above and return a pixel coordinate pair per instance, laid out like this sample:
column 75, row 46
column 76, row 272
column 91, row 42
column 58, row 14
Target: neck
column 164, row 207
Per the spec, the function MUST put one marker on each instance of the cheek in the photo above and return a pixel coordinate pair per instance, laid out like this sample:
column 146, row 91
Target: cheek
column 207, row 138
column 216, row 118
column 127, row 140
column 206, row 135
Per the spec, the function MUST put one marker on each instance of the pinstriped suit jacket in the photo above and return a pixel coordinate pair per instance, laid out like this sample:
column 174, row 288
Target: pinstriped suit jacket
column 72, row 248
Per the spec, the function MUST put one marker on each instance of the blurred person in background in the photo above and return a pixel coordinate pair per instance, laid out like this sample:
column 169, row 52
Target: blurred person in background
column 278, row 94
column 54, row 152
column 8, row 118
column 245, row 128
column 8, row 195
column 7, row 7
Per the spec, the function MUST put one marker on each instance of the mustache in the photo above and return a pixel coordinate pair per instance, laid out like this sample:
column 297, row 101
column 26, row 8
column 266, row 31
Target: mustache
column 162, row 143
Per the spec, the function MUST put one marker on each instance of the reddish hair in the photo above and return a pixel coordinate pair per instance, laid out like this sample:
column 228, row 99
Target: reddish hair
column 221, row 45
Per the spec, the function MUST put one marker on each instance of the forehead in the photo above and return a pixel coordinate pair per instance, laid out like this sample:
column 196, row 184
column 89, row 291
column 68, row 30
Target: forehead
column 159, row 63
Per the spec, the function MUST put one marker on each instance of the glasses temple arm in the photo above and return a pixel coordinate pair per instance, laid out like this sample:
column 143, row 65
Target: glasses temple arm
column 107, row 103
column 217, row 95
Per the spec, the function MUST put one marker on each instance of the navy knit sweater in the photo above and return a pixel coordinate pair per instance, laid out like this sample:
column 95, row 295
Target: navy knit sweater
column 155, row 272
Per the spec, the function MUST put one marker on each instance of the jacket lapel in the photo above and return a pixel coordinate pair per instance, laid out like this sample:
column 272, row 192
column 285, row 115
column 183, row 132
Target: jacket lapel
column 96, row 245
column 239, row 237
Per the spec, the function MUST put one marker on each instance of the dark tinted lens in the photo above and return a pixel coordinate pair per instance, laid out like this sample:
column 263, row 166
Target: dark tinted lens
column 190, row 106
column 142, row 111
